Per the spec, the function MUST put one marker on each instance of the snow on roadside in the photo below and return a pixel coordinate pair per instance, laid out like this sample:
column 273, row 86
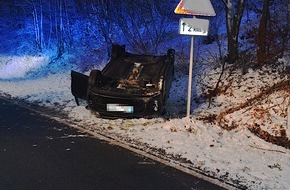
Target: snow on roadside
column 236, row 156
column 46, row 91
column 19, row 66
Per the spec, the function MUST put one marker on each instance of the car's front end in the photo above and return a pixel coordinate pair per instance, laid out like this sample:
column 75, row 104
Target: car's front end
column 116, row 104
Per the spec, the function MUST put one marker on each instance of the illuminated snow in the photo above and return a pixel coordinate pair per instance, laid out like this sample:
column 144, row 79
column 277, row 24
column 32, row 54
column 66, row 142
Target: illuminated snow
column 19, row 66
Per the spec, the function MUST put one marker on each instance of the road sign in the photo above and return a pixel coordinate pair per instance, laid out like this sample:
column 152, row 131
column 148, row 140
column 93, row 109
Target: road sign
column 195, row 7
column 193, row 26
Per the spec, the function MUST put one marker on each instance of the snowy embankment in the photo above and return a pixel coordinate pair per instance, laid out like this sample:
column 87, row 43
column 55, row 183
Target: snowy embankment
column 228, row 150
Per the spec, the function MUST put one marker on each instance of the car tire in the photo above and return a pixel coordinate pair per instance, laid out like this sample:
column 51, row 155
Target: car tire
column 93, row 77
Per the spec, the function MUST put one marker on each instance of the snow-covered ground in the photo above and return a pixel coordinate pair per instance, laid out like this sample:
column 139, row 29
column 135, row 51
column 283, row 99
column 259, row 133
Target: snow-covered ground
column 227, row 150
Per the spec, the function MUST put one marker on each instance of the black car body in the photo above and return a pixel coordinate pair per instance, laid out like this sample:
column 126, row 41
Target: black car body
column 129, row 86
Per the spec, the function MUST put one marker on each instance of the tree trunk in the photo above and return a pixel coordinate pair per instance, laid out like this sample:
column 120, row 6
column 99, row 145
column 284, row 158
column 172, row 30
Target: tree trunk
column 60, row 34
column 262, row 34
column 233, row 53
column 234, row 13
column 288, row 22
column 38, row 26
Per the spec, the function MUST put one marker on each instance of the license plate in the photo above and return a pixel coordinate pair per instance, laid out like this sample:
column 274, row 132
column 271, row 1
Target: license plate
column 120, row 108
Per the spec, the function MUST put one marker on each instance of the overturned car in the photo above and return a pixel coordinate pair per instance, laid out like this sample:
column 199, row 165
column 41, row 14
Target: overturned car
column 129, row 86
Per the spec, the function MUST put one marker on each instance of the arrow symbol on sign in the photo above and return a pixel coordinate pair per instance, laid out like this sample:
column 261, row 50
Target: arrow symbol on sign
column 183, row 26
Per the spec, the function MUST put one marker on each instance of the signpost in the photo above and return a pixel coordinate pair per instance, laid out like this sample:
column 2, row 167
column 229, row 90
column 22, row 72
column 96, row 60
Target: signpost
column 193, row 27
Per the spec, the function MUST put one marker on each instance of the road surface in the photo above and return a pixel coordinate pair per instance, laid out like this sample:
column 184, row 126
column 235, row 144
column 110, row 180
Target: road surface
column 37, row 153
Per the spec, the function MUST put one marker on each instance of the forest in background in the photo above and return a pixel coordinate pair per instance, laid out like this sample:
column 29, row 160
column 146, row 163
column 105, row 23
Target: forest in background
column 62, row 26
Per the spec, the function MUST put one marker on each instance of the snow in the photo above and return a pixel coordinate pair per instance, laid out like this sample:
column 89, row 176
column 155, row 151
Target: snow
column 235, row 156
column 11, row 65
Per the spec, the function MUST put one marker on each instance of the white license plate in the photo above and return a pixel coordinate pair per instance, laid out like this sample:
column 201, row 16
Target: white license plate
column 120, row 108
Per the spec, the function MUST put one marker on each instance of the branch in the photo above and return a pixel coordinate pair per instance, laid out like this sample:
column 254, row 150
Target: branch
column 256, row 98
column 268, row 149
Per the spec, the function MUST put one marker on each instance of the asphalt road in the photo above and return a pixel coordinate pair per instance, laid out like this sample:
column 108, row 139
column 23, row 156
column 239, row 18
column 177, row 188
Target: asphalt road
column 37, row 153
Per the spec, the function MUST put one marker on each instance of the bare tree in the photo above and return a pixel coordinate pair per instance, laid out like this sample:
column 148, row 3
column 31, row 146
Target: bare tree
column 68, row 24
column 262, row 33
column 273, row 31
column 37, row 13
column 104, row 13
column 288, row 16
column 59, row 28
column 234, row 13
column 144, row 23
column 288, row 24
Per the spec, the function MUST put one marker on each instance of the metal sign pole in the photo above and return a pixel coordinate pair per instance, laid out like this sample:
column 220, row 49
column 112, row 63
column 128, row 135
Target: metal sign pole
column 190, row 76
column 193, row 27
